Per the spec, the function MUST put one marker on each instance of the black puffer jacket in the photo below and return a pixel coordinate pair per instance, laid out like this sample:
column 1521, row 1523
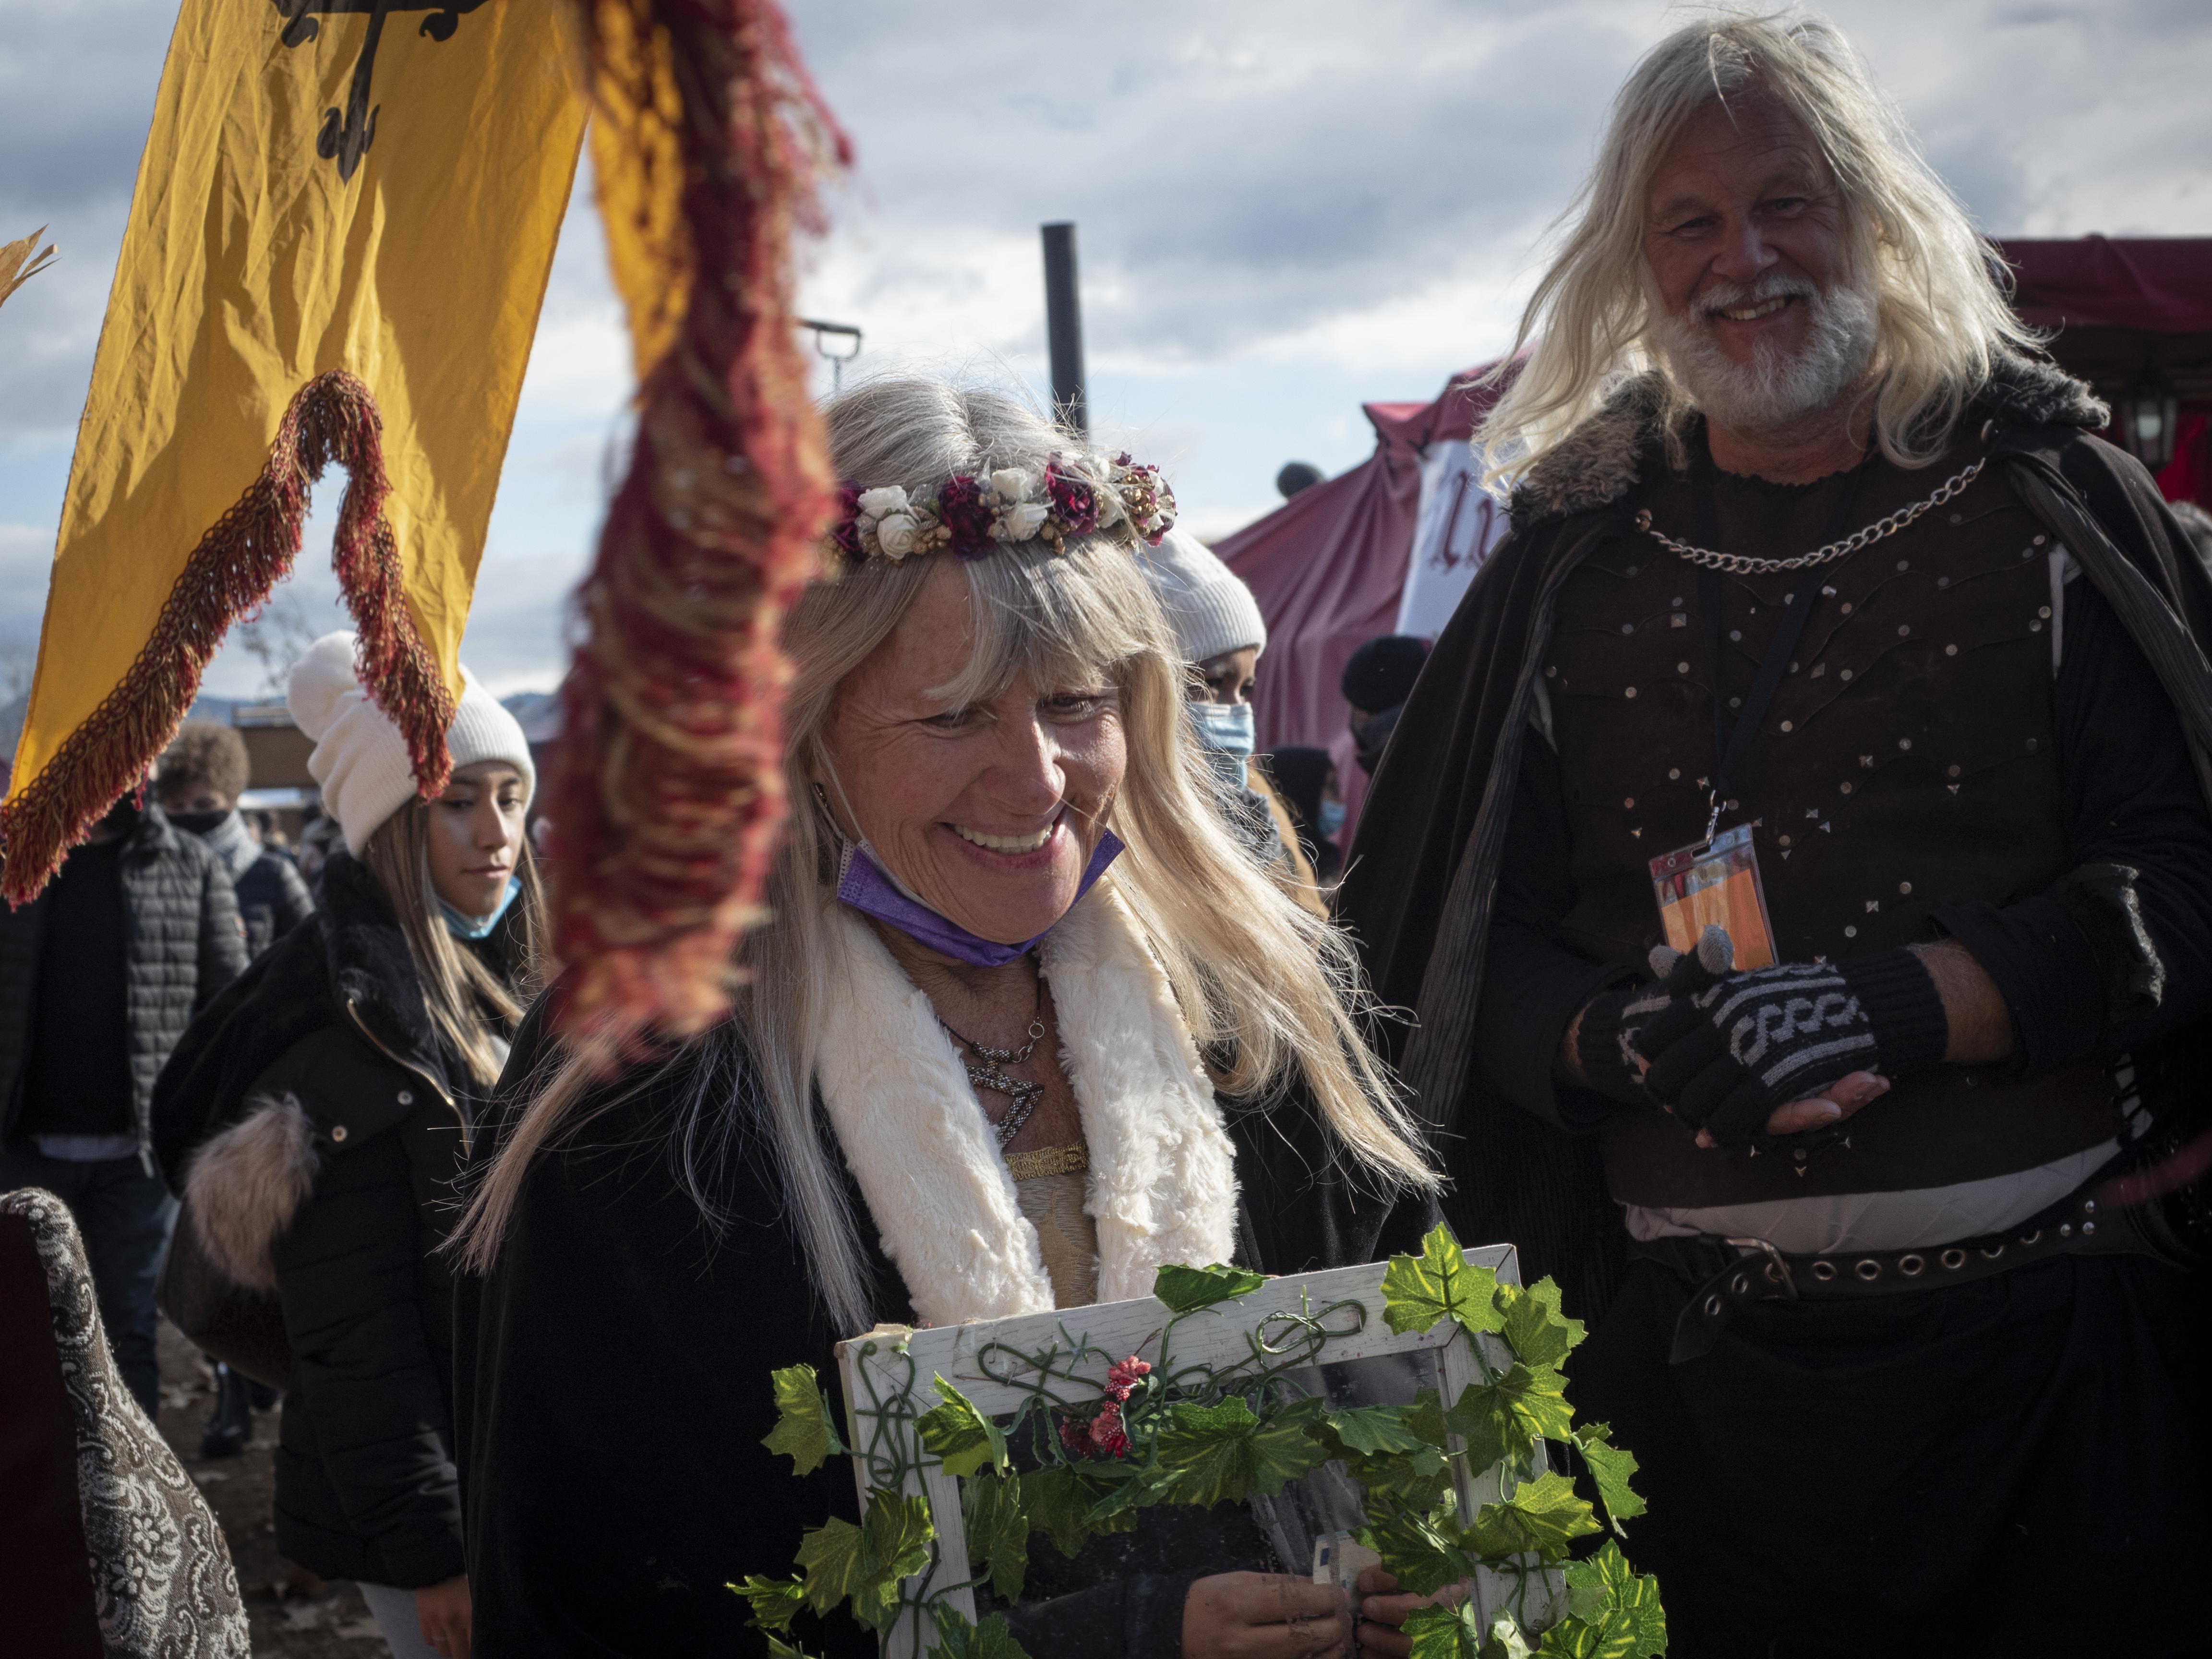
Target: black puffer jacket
column 314, row 1124
column 186, row 944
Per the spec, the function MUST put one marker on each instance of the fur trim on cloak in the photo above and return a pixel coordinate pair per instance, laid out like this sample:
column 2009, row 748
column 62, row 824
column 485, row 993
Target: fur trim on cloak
column 1162, row 1181
column 246, row 1183
column 1601, row 458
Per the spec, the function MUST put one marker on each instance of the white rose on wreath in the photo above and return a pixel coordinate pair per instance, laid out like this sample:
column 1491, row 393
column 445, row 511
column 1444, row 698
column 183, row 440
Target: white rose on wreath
column 1014, row 484
column 881, row 503
column 1018, row 524
column 896, row 533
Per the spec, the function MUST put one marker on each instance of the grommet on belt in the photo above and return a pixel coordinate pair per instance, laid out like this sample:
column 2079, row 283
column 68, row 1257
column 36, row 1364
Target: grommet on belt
column 339, row 1133
column 1953, row 1259
column 406, row 1097
column 1911, row 1266
column 1868, row 1269
column 1824, row 1270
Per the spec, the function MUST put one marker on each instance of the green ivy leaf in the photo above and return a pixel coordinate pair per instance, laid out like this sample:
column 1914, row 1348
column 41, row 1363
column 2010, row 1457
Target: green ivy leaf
column 959, row 1434
column 895, row 1539
column 1418, row 1290
column 1505, row 1640
column 784, row 1650
column 1538, row 1519
column 1422, row 1552
column 1440, row 1632
column 774, row 1601
column 1223, row 1453
column 1059, row 1500
column 958, row 1639
column 1537, row 1331
column 1416, row 1479
column 803, row 1431
column 1503, row 1420
column 1376, row 1430
column 1610, row 1466
column 829, row 1557
column 998, row 1532
column 1186, row 1290
column 1614, row 1613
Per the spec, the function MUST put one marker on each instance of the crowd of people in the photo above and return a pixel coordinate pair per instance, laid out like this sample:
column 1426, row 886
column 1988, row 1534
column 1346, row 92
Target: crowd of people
column 1781, row 908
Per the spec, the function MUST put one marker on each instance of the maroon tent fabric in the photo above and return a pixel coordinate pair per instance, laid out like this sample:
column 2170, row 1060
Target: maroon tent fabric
column 1328, row 566
column 2162, row 284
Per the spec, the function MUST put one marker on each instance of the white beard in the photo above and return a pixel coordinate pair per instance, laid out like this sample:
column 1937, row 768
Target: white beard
column 1772, row 390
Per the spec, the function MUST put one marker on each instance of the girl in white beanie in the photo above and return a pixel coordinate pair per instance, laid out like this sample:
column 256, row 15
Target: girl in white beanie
column 316, row 1116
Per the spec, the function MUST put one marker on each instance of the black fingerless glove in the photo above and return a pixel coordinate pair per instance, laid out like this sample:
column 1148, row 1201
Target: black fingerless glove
column 1608, row 1041
column 1724, row 1057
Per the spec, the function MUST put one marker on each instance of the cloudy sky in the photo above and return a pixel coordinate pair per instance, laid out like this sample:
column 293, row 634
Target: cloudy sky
column 1286, row 208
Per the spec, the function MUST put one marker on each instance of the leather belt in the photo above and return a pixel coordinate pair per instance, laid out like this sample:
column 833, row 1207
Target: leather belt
column 1733, row 1273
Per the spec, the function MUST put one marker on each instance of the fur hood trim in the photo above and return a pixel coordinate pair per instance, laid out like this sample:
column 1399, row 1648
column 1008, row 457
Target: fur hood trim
column 246, row 1183
column 1600, row 459
column 1162, row 1181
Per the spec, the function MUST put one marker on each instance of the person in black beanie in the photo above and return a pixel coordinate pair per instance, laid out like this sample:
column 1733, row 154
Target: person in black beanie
column 1377, row 682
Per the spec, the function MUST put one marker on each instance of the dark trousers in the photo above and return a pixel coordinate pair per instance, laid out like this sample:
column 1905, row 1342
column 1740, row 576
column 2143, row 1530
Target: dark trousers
column 1989, row 1472
column 125, row 1216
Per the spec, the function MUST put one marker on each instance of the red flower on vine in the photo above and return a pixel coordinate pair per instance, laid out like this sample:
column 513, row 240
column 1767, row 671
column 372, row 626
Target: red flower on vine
column 1121, row 1379
column 1107, row 1433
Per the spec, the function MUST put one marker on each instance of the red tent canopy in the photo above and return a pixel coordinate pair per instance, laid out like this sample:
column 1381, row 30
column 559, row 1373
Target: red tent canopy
column 2126, row 312
column 1328, row 566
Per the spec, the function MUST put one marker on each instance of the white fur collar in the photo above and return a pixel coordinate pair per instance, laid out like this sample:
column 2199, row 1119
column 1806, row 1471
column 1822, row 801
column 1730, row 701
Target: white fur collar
column 1162, row 1182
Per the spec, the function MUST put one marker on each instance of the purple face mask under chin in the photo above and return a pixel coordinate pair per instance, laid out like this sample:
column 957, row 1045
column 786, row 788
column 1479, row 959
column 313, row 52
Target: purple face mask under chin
column 866, row 885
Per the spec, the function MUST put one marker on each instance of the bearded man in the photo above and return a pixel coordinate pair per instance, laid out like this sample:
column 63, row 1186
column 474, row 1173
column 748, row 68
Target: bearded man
column 1815, row 565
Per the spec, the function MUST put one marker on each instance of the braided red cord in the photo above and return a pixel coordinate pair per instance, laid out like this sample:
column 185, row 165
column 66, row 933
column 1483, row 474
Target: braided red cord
column 670, row 799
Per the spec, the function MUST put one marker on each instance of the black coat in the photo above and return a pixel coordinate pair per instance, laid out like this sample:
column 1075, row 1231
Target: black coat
column 332, row 1017
column 1423, row 871
column 612, row 1392
column 186, row 944
column 272, row 900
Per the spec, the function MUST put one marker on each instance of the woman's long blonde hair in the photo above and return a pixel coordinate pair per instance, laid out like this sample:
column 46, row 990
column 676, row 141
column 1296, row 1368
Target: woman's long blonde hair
column 1939, row 287
column 1271, row 991
column 468, row 1004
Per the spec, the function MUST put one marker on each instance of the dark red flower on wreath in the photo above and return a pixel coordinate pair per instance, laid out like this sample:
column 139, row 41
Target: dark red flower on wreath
column 1121, row 1379
column 960, row 504
column 845, row 529
column 1074, row 502
column 1107, row 1433
column 1075, row 1436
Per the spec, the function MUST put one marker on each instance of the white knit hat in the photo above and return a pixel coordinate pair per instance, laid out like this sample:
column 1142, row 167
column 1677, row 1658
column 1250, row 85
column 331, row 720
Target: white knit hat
column 360, row 760
column 1206, row 602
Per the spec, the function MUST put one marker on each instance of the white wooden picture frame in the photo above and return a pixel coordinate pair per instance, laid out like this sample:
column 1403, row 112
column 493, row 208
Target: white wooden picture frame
column 1217, row 1337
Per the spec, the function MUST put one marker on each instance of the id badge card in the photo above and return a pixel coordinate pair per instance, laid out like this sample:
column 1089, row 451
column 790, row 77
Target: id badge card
column 1716, row 884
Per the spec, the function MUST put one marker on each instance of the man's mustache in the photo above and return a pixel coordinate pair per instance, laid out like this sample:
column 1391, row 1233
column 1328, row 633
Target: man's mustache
column 1733, row 296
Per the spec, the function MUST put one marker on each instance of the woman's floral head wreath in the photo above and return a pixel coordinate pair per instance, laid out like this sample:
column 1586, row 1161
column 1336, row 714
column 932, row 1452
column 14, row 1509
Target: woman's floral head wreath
column 970, row 516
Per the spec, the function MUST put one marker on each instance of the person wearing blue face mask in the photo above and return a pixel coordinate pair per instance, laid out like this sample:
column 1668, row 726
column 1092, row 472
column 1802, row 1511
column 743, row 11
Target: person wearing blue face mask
column 1219, row 630
column 314, row 1120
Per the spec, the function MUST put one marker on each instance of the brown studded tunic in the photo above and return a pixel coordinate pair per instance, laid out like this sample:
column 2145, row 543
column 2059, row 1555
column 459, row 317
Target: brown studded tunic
column 1905, row 763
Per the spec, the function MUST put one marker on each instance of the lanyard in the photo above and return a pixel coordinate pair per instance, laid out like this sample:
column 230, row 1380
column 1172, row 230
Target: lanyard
column 1732, row 746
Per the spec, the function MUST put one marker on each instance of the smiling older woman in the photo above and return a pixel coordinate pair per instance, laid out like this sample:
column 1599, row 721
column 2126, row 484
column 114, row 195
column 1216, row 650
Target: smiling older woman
column 1028, row 1024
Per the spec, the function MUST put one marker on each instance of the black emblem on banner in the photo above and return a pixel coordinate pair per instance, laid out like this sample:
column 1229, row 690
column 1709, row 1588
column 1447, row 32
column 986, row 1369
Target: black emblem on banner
column 345, row 138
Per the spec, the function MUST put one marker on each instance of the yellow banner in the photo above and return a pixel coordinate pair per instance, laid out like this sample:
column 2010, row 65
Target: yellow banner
column 369, row 187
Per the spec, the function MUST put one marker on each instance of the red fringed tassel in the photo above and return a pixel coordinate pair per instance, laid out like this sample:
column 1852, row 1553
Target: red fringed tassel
column 246, row 552
column 669, row 801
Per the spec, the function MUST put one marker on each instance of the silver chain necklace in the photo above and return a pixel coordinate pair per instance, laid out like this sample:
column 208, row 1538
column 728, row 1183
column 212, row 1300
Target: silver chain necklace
column 1742, row 564
column 992, row 1073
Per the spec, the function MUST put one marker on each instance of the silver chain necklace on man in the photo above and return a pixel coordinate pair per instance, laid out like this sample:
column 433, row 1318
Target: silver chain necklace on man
column 992, row 1075
column 1743, row 564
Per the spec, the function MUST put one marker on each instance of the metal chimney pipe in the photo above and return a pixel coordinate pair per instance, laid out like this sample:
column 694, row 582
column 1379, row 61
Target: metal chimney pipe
column 1063, row 326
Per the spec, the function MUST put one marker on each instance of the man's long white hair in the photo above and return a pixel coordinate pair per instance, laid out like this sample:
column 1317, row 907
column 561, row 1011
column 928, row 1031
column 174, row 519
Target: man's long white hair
column 1938, row 286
